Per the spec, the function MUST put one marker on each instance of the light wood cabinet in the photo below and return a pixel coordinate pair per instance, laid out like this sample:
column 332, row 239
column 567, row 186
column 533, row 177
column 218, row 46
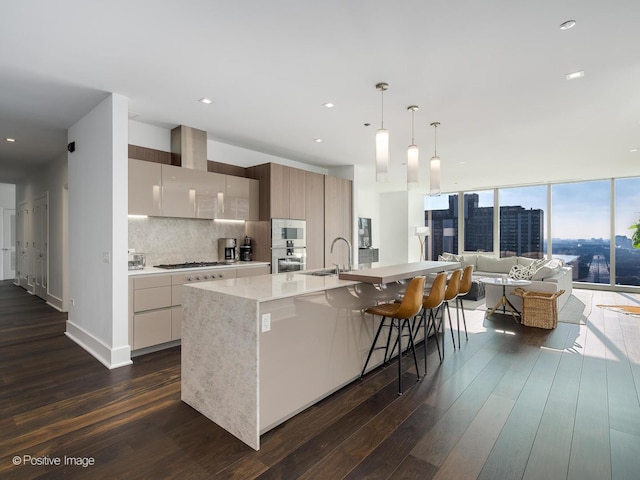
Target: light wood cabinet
column 314, row 215
column 296, row 191
column 281, row 191
column 338, row 221
column 145, row 181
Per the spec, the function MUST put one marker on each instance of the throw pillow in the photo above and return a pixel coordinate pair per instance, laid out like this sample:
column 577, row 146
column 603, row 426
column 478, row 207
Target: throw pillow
column 549, row 269
column 522, row 272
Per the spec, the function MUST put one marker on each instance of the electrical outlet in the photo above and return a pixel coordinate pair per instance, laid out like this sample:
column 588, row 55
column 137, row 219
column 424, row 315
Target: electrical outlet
column 266, row 322
column 73, row 302
column 106, row 257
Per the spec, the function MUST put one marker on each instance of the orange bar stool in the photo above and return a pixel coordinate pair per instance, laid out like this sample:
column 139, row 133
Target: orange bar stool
column 432, row 303
column 465, row 287
column 451, row 293
column 399, row 315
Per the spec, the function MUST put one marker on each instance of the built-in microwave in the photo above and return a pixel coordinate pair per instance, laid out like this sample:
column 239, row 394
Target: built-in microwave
column 288, row 245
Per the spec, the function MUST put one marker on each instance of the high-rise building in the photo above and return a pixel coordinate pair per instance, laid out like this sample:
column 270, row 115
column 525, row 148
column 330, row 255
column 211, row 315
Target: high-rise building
column 521, row 230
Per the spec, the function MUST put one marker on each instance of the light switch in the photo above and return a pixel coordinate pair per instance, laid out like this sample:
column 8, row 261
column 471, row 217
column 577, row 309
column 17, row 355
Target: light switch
column 266, row 322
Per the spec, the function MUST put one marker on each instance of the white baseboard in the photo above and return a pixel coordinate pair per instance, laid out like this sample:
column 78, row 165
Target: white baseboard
column 110, row 358
column 54, row 302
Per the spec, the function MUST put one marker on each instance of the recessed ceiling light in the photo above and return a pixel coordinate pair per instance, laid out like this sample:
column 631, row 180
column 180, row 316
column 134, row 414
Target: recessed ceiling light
column 317, row 140
column 10, row 140
column 328, row 105
column 567, row 25
column 205, row 100
column 574, row 75
column 633, row 150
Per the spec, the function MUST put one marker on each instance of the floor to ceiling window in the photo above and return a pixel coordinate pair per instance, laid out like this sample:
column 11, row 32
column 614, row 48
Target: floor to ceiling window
column 580, row 228
column 522, row 221
column 441, row 216
column 478, row 221
column 627, row 208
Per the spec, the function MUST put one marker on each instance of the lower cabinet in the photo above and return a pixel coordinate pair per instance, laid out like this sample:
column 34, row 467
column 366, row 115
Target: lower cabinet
column 155, row 303
column 151, row 328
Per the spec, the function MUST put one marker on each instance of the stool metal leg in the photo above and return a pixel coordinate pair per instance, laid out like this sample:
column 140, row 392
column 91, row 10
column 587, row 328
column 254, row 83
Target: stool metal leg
column 373, row 347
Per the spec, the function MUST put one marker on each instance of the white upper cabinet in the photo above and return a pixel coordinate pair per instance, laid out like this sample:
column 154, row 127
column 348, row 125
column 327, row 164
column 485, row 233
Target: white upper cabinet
column 240, row 199
column 145, row 183
column 168, row 191
column 191, row 193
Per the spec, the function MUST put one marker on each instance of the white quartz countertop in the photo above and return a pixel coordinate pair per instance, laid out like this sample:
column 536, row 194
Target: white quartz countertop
column 154, row 270
column 273, row 287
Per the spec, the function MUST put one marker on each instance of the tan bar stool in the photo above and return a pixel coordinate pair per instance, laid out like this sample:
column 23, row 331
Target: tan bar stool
column 453, row 287
column 432, row 303
column 399, row 314
column 465, row 287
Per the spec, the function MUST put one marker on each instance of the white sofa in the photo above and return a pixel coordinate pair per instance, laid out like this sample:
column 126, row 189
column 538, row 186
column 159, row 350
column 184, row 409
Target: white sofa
column 548, row 278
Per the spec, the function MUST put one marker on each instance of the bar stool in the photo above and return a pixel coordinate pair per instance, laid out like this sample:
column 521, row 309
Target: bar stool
column 451, row 293
column 399, row 315
column 432, row 302
column 465, row 287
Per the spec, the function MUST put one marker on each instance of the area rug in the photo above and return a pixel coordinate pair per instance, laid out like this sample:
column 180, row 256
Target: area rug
column 632, row 310
column 578, row 307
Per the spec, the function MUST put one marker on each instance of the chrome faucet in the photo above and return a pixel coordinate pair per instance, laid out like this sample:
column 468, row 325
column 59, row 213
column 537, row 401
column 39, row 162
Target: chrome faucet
column 348, row 246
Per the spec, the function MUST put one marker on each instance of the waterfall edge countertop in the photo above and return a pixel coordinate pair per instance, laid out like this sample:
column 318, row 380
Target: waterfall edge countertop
column 264, row 288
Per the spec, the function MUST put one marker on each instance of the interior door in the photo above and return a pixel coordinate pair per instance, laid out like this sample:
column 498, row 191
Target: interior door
column 23, row 245
column 40, row 246
column 8, row 244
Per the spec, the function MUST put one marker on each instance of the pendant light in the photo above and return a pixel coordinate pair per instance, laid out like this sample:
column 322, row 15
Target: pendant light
column 413, row 155
column 434, row 166
column 382, row 143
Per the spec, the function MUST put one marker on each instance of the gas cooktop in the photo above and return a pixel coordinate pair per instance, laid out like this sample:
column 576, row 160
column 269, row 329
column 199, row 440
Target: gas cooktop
column 172, row 266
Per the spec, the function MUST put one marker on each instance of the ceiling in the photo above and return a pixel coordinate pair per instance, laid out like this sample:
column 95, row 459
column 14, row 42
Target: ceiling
column 492, row 72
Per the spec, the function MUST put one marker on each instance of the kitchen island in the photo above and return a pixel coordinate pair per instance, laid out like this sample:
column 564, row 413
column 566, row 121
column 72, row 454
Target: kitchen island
column 258, row 350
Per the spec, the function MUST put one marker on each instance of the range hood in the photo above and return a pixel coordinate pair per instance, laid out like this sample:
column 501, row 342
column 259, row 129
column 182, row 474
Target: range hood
column 189, row 148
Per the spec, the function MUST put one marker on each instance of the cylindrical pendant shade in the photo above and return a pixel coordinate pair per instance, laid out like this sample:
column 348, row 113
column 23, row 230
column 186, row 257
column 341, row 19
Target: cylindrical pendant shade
column 413, row 160
column 434, row 174
column 382, row 154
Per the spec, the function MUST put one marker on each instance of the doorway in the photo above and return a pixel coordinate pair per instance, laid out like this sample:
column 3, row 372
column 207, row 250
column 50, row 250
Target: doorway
column 8, row 244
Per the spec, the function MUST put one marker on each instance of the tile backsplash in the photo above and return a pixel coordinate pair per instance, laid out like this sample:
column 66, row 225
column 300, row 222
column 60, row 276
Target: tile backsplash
column 176, row 240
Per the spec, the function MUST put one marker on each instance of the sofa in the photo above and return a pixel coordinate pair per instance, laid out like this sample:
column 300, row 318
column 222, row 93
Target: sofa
column 547, row 276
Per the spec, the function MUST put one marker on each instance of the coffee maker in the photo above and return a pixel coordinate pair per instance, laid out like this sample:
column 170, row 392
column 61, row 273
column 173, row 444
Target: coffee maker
column 245, row 250
column 227, row 250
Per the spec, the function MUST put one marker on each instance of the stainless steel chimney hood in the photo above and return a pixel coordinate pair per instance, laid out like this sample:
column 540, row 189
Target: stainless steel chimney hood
column 189, row 148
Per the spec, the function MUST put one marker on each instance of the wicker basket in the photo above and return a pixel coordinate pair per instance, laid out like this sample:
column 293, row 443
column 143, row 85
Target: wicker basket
column 539, row 309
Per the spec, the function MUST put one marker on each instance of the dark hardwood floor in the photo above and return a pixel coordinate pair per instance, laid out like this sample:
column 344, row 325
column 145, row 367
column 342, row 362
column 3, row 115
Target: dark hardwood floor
column 512, row 403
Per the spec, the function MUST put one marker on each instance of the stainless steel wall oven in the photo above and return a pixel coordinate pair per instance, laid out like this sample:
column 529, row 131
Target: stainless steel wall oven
column 288, row 245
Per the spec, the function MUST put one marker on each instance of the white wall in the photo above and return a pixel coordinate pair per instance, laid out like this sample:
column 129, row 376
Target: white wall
column 98, row 231
column 52, row 180
column 149, row 136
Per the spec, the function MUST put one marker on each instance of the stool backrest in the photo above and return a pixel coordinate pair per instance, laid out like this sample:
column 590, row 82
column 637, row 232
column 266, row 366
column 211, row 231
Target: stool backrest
column 436, row 294
column 466, row 280
column 453, row 287
column 412, row 301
